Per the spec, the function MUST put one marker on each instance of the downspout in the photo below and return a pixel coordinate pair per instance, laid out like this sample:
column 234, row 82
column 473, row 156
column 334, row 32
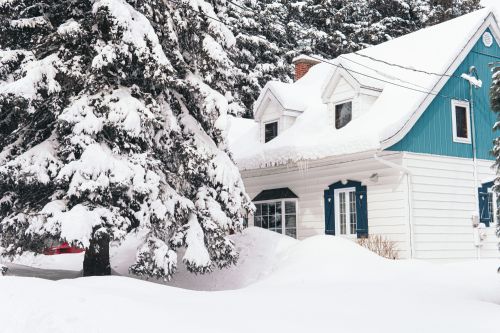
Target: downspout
column 472, row 71
column 409, row 182
column 473, row 134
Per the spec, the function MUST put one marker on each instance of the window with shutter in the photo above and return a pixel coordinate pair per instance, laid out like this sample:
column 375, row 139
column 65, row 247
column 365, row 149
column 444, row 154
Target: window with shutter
column 346, row 210
column 487, row 204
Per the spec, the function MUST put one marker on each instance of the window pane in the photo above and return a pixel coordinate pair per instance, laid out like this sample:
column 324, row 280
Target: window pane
column 258, row 221
column 290, row 221
column 352, row 209
column 278, row 207
column 272, row 209
column 265, row 222
column 258, row 211
column 342, row 213
column 461, row 122
column 272, row 222
column 343, row 114
column 271, row 131
column 278, row 221
column 491, row 209
column 289, row 207
column 265, row 209
column 291, row 233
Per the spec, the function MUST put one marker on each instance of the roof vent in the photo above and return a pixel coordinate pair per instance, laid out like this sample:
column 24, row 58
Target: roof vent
column 487, row 39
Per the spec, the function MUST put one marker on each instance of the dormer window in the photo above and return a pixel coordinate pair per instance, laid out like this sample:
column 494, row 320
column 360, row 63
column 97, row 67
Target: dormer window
column 270, row 131
column 343, row 114
column 461, row 121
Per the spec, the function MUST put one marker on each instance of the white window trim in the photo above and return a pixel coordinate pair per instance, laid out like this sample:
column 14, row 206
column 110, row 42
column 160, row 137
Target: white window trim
column 264, row 123
column 335, row 111
column 283, row 227
column 495, row 208
column 466, row 105
column 337, row 213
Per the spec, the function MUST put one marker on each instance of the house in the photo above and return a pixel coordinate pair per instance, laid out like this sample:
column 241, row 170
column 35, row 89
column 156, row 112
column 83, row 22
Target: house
column 393, row 140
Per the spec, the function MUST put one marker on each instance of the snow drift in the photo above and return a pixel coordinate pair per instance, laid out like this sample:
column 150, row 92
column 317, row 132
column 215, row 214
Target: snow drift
column 322, row 284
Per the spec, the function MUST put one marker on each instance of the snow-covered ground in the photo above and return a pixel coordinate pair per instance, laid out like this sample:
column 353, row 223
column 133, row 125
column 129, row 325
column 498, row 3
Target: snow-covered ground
column 322, row 284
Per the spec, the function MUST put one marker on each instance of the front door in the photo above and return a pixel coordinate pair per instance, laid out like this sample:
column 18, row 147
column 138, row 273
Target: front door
column 345, row 211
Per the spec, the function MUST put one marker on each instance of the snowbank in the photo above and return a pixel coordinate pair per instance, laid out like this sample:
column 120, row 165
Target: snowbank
column 322, row 284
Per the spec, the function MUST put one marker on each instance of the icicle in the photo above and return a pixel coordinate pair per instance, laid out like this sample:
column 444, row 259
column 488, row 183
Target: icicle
column 303, row 166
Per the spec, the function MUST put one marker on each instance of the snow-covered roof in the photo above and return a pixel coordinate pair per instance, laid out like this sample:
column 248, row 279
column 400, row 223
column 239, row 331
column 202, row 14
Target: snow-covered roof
column 403, row 94
column 293, row 96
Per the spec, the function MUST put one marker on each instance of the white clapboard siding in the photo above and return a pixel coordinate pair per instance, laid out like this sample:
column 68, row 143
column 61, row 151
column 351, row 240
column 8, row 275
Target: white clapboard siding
column 444, row 200
column 387, row 198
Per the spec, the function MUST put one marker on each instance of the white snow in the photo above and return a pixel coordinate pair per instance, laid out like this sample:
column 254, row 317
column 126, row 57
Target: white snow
column 196, row 253
column 34, row 73
column 136, row 30
column 312, row 136
column 322, row 284
column 32, row 22
column 69, row 27
column 38, row 164
column 472, row 80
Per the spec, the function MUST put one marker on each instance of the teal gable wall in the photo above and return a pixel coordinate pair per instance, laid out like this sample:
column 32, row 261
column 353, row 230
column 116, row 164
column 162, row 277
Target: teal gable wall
column 432, row 133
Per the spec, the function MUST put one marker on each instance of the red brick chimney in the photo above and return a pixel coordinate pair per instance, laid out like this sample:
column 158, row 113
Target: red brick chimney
column 302, row 65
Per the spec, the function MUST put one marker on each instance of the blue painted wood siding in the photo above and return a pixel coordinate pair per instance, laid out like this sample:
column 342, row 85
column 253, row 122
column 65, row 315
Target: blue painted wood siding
column 432, row 134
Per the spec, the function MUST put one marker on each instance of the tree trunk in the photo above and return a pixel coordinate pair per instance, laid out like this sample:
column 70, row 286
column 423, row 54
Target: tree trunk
column 96, row 260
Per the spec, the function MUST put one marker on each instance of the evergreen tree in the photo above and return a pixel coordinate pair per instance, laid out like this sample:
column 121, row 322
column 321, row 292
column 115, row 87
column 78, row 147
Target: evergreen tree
column 112, row 118
column 444, row 10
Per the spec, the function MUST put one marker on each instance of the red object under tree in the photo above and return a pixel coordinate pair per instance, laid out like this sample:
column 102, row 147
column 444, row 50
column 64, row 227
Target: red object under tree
column 63, row 248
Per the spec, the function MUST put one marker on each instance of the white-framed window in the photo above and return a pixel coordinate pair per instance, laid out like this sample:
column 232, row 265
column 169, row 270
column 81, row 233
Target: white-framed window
column 270, row 130
column 345, row 211
column 492, row 206
column 343, row 114
column 277, row 215
column 460, row 113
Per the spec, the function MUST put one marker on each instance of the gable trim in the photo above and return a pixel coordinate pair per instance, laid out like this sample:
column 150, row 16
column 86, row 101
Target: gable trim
column 340, row 73
column 260, row 105
column 489, row 22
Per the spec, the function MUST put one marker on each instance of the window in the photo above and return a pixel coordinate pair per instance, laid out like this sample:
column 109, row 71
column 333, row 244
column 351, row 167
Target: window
column 491, row 206
column 345, row 202
column 461, row 121
column 487, row 204
column 278, row 216
column 346, row 209
column 343, row 114
column 270, row 131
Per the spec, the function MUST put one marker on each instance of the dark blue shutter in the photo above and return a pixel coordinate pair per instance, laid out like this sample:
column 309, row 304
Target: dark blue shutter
column 362, row 213
column 484, row 212
column 329, row 213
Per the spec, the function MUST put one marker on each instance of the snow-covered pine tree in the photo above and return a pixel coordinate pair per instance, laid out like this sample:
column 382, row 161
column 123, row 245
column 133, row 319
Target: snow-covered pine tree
column 495, row 106
column 112, row 118
column 444, row 10
column 265, row 44
column 393, row 18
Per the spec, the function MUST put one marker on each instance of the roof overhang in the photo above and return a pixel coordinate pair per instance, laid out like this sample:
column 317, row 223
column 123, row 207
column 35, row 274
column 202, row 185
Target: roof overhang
column 275, row 194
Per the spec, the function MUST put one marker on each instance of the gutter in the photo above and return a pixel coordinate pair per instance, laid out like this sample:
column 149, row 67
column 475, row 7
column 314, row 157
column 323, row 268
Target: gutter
column 409, row 184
